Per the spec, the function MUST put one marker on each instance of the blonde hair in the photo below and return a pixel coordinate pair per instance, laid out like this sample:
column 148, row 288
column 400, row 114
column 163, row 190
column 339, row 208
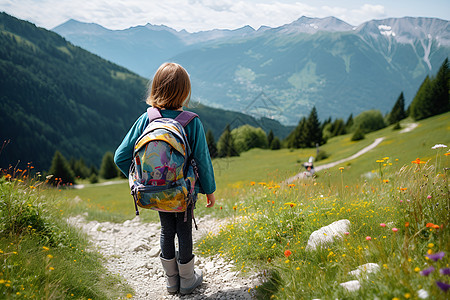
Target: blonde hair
column 170, row 87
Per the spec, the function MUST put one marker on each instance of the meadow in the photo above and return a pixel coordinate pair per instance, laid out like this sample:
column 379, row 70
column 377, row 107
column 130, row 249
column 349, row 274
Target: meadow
column 396, row 197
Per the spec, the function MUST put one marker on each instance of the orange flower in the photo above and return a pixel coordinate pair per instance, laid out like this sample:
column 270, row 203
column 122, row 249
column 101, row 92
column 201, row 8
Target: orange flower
column 434, row 226
column 418, row 161
column 403, row 189
column 407, row 224
column 447, row 153
column 287, row 253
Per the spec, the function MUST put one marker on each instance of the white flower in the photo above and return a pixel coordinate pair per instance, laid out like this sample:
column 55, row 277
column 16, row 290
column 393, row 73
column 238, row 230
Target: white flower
column 422, row 294
column 439, row 146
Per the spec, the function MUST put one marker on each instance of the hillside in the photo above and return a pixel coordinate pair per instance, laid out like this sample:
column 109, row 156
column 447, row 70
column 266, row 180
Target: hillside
column 56, row 96
column 326, row 62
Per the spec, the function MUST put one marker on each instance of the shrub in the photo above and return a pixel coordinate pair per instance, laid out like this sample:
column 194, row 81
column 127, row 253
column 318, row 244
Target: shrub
column 369, row 121
column 358, row 135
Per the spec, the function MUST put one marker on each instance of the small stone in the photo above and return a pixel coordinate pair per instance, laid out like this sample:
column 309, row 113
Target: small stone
column 366, row 268
column 327, row 234
column 351, row 286
column 154, row 252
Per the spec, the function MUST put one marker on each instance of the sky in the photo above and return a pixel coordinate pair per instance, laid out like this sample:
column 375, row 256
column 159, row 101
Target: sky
column 200, row 15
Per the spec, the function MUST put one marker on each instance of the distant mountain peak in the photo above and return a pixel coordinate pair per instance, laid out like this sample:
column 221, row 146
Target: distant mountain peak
column 312, row 25
column 74, row 26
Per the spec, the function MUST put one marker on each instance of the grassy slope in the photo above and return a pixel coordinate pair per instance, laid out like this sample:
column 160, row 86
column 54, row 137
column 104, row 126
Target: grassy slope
column 114, row 203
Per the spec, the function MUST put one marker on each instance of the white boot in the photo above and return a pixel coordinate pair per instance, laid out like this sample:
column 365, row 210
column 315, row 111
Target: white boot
column 171, row 269
column 189, row 278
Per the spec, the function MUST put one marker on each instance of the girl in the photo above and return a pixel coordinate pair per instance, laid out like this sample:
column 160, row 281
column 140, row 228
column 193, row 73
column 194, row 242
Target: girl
column 169, row 92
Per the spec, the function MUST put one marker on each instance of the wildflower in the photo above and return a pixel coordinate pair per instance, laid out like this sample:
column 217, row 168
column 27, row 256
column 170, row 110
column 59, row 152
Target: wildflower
column 129, row 296
column 386, row 180
column 45, row 248
column 443, row 286
column 346, row 233
column 436, row 256
column 430, row 245
column 437, row 146
column 445, row 271
column 291, row 185
column 286, row 261
column 379, row 160
column 50, row 256
column 252, row 183
column 368, row 238
column 429, row 197
column 341, row 168
column 407, row 295
column 416, row 269
column 290, row 204
column 51, row 268
column 403, row 189
column 407, row 224
column 394, row 229
column 383, row 225
column 447, row 153
column 427, row 272
column 418, row 161
column 422, row 294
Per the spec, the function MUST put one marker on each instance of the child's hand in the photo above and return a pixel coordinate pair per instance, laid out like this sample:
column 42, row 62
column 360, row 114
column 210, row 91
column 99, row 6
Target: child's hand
column 210, row 200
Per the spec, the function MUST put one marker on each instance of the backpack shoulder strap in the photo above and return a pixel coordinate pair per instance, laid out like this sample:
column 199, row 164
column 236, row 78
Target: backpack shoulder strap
column 185, row 117
column 153, row 114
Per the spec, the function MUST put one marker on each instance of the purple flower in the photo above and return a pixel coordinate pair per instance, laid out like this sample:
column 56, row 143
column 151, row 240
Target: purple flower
column 445, row 271
column 436, row 256
column 427, row 272
column 443, row 286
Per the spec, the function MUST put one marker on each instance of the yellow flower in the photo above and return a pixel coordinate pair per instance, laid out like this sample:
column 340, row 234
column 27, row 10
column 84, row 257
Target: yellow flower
column 380, row 161
column 45, row 248
column 386, row 158
column 287, row 261
column 407, row 295
column 50, row 256
column 385, row 266
column 416, row 269
column 51, row 268
column 430, row 245
column 129, row 296
column 430, row 251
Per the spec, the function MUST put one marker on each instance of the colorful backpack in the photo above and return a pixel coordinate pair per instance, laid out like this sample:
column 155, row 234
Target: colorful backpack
column 162, row 175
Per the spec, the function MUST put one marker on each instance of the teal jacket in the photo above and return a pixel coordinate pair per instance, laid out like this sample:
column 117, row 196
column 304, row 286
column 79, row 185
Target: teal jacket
column 197, row 141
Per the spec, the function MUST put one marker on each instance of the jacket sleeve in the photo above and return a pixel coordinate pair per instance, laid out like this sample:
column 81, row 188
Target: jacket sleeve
column 197, row 140
column 124, row 153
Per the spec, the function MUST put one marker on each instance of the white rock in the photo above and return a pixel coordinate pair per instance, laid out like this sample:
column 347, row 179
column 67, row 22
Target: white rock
column 365, row 269
column 351, row 286
column 327, row 234
column 154, row 252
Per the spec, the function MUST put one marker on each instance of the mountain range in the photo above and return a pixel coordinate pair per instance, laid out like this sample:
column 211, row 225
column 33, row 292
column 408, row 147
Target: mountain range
column 57, row 96
column 323, row 62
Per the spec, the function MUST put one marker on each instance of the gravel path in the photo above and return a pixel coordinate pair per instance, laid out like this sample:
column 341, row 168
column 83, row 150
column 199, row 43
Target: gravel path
column 131, row 250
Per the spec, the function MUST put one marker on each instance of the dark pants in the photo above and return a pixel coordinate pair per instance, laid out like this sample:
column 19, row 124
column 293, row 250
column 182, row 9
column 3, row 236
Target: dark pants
column 173, row 224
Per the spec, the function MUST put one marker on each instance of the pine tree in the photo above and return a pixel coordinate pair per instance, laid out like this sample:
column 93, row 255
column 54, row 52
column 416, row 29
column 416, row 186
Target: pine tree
column 338, row 128
column 313, row 129
column 270, row 138
column 440, row 90
column 297, row 138
column 108, row 169
column 421, row 106
column 61, row 171
column 349, row 123
column 225, row 145
column 212, row 146
column 398, row 110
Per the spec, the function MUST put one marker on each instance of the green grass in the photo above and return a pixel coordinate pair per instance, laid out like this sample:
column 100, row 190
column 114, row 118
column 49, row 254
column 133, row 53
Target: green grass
column 42, row 257
column 271, row 219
